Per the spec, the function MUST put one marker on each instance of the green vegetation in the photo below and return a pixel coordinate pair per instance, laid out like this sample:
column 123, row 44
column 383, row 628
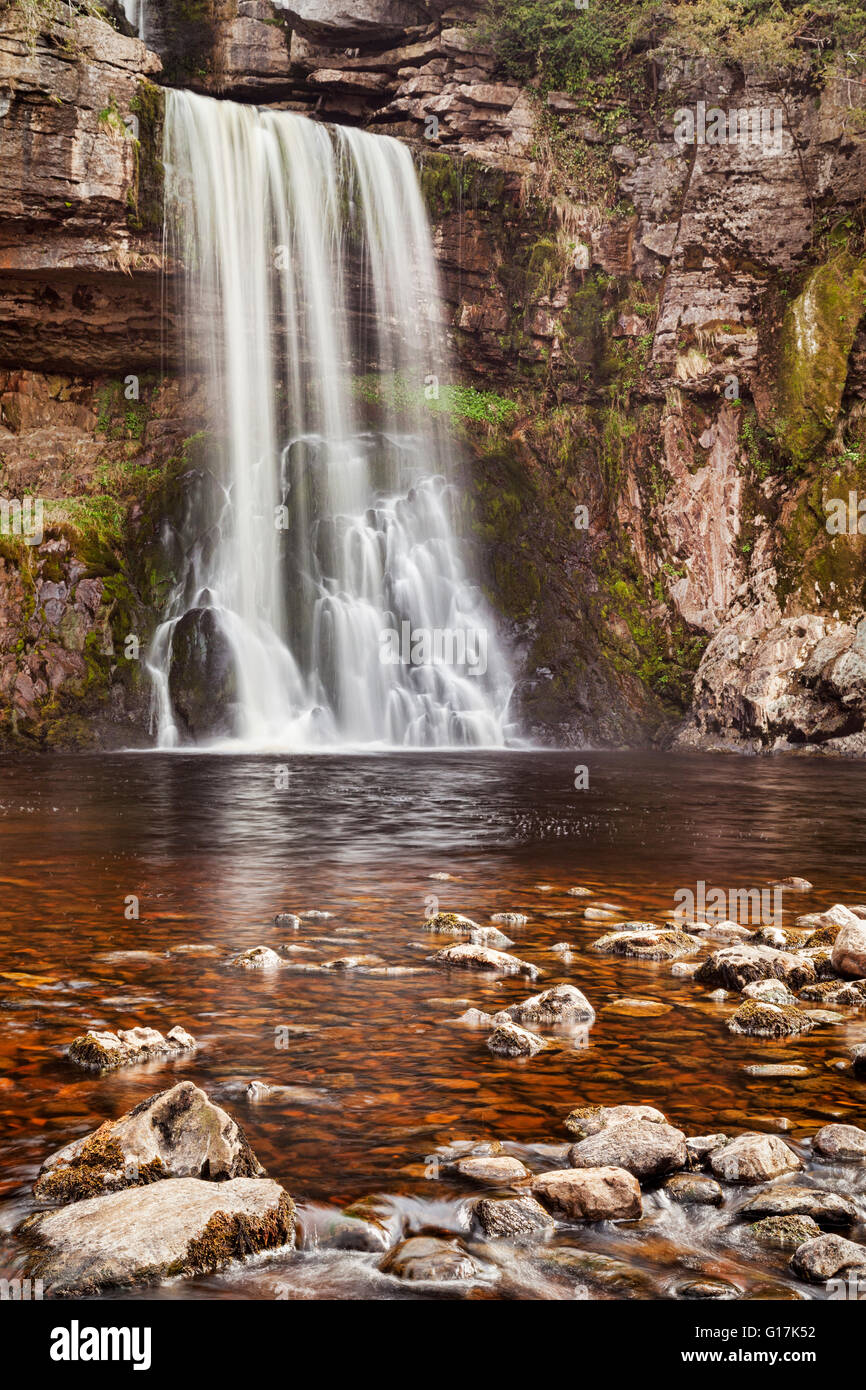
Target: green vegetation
column 456, row 401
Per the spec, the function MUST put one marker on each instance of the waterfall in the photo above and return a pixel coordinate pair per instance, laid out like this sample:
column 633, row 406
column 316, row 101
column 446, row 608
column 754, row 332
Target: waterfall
column 322, row 597
column 135, row 13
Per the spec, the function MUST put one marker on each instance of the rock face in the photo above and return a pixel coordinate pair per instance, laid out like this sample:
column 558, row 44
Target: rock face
column 753, row 1158
column 590, row 1194
column 176, row 1134
column 202, row 678
column 170, row 1228
column 642, row 1147
column 105, row 1051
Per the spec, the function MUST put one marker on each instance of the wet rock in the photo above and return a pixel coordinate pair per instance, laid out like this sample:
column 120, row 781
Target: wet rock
column 326, row 1229
column 643, row 1147
column 258, row 958
column 718, row 1289
column 848, row 992
column 476, row 1018
column 826, row 1256
column 718, row 996
column 640, row 926
column 494, row 1170
column 789, row 1070
column 827, row 1208
column 429, row 1258
column 797, row 885
column 105, row 1051
column 451, row 924
column 590, row 1194
column 490, row 936
column 509, row 919
column 845, row 1142
column 510, row 1040
column 579, row 892
column 469, row 957
column 186, row 1226
column 202, row 680
column 701, row 1146
column 734, row 967
column 769, row 992
column 849, row 949
column 563, row 1004
column 600, row 914
column 511, row 1216
column 315, row 914
column 261, row 1092
column 362, row 962
column 685, row 969
column 637, row 1008
column 753, row 1158
column 858, row 1059
column 592, row 1119
column 660, row 945
column 694, row 1189
column 287, row 921
column 784, row 1232
column 755, row 1019
column 836, row 916
column 177, row 1133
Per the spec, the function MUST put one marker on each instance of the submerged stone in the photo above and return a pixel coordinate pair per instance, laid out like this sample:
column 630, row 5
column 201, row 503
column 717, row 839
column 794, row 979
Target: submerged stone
column 784, row 1232
column 429, row 1258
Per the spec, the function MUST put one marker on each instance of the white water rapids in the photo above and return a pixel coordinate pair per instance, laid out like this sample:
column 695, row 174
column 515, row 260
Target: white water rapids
column 322, row 598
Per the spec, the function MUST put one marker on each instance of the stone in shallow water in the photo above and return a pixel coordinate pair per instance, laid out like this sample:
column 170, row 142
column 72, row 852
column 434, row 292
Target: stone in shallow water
column 490, row 936
column 694, row 1189
column 185, row 1226
column 858, row 1059
column 637, row 1008
column 849, row 949
column 511, row 1216
column 850, row 992
column 734, row 967
column 509, row 919
column 106, row 1051
column 362, row 962
column 429, row 1258
column 845, row 1142
column 510, row 1040
column 326, row 1229
column 769, row 992
column 451, row 924
column 777, row 1069
column 258, row 958
column 591, row 1119
column 492, row 1170
column 469, row 957
column 288, row 921
column 590, row 1194
column 753, row 1158
column 600, row 914
column 718, row 1289
column 648, row 945
column 579, row 892
column 643, row 1147
column 755, row 1019
column 562, row 1004
column 827, row 1208
column 797, row 885
column 175, row 1134
column 826, row 1256
column 784, row 1232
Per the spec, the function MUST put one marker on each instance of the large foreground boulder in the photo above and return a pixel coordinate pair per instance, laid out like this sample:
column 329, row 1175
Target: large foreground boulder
column 642, row 1147
column 590, row 1194
column 170, row 1228
column 178, row 1133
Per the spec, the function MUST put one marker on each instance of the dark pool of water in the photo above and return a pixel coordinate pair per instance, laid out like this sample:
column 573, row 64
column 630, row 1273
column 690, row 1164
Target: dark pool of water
column 213, row 847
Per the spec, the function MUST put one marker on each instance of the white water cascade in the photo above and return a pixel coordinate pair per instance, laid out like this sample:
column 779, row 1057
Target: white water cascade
column 135, row 13
column 322, row 598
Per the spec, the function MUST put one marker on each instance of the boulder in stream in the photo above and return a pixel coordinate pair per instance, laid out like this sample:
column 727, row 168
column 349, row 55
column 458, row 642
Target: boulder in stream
column 849, row 949
column 844, row 1143
column 104, row 1051
column 510, row 1040
column 177, row 1133
column 827, row 1208
column 511, row 1216
column 647, row 945
column 590, row 1194
column 591, row 1119
column 642, row 1147
column 563, row 1004
column 258, row 958
column 753, row 1158
column 202, row 679
column 429, row 1258
column 466, row 956
column 826, row 1256
column 182, row 1227
column 734, row 967
column 757, row 1019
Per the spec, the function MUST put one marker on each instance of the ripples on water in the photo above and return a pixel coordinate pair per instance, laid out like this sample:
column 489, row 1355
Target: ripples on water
column 385, row 1078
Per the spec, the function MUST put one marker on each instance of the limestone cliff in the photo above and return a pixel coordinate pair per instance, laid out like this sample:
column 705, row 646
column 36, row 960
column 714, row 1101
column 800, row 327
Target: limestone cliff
column 660, row 347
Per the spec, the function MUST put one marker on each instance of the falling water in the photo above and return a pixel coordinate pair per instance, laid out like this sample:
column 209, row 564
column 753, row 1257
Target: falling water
column 135, row 13
column 322, row 599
